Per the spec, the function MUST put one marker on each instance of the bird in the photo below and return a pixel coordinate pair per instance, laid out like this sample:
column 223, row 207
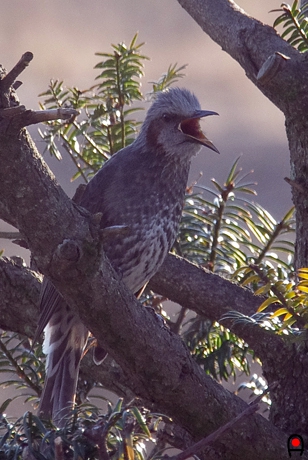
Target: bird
column 142, row 188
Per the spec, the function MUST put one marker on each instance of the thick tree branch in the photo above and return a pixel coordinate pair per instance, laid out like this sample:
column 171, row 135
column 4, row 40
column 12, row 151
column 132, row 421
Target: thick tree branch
column 193, row 287
column 251, row 43
column 179, row 280
column 20, row 288
column 280, row 72
column 65, row 245
column 212, row 296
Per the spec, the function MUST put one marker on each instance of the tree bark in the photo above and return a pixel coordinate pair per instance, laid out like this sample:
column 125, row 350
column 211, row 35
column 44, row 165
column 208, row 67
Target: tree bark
column 193, row 287
column 281, row 74
column 283, row 80
column 201, row 291
column 65, row 244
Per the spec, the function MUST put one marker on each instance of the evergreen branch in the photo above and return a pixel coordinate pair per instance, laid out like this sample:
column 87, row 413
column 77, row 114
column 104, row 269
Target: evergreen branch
column 294, row 21
column 264, row 278
column 19, row 370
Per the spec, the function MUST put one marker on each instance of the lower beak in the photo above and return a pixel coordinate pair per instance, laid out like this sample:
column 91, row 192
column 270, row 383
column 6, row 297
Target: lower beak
column 207, row 143
column 191, row 128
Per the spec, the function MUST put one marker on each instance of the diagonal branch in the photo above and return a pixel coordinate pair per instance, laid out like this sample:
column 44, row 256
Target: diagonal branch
column 199, row 446
column 15, row 118
column 251, row 44
column 191, row 286
column 65, row 245
column 213, row 296
column 9, row 79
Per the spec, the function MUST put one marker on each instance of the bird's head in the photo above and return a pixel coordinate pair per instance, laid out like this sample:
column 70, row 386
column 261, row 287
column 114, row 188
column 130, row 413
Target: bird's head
column 172, row 124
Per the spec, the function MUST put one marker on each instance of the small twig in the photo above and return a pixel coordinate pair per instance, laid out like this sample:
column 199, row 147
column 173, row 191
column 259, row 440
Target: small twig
column 16, row 84
column 294, row 184
column 69, row 150
column 10, row 235
column 32, row 117
column 89, row 139
column 252, row 408
column 273, row 64
column 9, row 79
column 12, row 111
column 176, row 326
column 278, row 228
column 216, row 230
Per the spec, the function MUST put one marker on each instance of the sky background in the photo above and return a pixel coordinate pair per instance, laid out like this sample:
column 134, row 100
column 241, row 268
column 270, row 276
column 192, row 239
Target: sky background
column 64, row 36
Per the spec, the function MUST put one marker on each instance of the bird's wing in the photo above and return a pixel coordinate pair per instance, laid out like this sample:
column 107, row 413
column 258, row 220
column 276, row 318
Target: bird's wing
column 65, row 335
column 92, row 199
column 108, row 189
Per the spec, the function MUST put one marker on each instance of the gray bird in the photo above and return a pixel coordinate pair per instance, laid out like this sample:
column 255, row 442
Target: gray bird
column 141, row 188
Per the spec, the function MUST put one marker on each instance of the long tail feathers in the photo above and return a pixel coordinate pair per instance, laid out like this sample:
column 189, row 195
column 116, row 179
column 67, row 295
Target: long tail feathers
column 65, row 340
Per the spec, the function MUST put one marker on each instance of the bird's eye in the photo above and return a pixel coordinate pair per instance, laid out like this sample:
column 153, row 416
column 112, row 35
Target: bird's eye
column 166, row 117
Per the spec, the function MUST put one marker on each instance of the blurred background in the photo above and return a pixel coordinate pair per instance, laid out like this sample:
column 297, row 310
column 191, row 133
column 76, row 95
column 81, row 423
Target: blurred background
column 64, row 36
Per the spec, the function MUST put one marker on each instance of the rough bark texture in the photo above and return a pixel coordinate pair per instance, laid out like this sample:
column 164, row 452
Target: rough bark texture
column 66, row 250
column 251, row 44
column 64, row 242
column 205, row 405
column 20, row 288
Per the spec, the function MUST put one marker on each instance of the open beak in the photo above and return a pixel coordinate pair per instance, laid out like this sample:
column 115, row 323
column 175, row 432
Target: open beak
column 191, row 128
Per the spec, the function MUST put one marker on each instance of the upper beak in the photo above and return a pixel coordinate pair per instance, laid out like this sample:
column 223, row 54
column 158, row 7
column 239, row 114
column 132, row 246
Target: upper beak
column 191, row 127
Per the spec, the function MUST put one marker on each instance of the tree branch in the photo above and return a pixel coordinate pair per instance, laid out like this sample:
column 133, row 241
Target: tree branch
column 9, row 79
column 193, row 287
column 20, row 289
column 53, row 226
column 15, row 118
column 251, row 43
column 65, row 244
column 280, row 72
column 193, row 450
column 213, row 296
column 9, row 235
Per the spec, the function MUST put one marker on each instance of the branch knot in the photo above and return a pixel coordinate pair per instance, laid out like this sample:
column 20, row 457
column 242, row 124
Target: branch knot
column 273, row 64
column 68, row 251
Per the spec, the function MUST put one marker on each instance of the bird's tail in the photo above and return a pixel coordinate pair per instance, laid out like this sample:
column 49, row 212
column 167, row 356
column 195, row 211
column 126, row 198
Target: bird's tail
column 65, row 340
